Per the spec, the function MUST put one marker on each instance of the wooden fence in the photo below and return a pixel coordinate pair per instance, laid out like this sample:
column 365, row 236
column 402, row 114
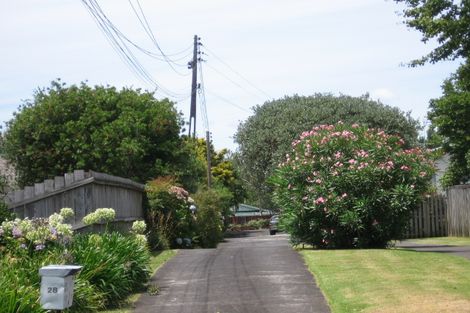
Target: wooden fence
column 82, row 191
column 458, row 210
column 429, row 219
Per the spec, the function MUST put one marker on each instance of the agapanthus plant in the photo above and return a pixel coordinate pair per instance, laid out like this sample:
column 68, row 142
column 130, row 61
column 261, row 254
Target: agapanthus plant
column 37, row 234
column 348, row 185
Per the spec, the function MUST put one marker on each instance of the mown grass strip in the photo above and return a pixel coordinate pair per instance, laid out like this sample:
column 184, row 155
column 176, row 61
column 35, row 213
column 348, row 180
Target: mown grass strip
column 157, row 260
column 391, row 280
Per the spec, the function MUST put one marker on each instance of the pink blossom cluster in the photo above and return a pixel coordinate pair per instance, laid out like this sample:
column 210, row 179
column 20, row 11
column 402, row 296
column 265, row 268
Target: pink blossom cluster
column 179, row 192
column 389, row 165
column 362, row 154
column 320, row 200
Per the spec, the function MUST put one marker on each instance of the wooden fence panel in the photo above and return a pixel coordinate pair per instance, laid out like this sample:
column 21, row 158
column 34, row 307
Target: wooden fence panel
column 429, row 218
column 458, row 212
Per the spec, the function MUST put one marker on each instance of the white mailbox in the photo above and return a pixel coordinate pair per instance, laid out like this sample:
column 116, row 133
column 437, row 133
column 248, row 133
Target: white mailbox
column 57, row 286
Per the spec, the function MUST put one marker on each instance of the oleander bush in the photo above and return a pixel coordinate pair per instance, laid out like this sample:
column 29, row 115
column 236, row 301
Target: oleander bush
column 349, row 186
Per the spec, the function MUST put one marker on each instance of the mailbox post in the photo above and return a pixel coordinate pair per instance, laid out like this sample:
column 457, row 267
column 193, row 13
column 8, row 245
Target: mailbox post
column 57, row 282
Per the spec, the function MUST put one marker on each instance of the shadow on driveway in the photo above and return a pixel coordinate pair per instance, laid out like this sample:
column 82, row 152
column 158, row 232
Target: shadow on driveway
column 463, row 251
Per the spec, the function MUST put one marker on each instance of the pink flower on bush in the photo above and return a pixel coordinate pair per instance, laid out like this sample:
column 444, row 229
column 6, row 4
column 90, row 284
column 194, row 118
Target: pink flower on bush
column 422, row 174
column 320, row 200
column 352, row 161
column 338, row 164
column 362, row 165
column 405, row 168
column 318, row 181
column 362, row 153
column 179, row 192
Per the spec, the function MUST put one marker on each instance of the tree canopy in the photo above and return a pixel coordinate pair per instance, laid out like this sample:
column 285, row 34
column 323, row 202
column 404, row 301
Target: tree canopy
column 266, row 136
column 124, row 132
column 447, row 21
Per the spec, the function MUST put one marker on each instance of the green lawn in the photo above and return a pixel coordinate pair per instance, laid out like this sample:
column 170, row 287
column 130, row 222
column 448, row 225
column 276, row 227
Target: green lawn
column 156, row 261
column 391, row 280
column 452, row 241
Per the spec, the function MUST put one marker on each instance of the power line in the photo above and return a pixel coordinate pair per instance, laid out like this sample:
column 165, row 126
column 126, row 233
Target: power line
column 237, row 73
column 228, row 101
column 202, row 99
column 145, row 25
column 118, row 41
column 234, row 82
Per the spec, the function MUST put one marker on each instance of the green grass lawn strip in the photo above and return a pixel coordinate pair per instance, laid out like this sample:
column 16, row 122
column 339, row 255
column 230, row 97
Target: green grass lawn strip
column 157, row 259
column 390, row 280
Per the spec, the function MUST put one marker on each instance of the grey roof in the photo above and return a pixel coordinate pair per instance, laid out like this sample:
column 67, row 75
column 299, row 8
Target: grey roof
column 249, row 210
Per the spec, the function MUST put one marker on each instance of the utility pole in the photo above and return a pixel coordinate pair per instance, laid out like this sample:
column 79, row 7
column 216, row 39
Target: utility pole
column 209, row 167
column 193, row 65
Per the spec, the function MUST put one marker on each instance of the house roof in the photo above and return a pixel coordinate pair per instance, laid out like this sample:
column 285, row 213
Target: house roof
column 249, row 210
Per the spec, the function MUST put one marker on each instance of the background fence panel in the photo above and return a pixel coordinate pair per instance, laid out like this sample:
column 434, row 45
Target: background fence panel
column 458, row 211
column 429, row 219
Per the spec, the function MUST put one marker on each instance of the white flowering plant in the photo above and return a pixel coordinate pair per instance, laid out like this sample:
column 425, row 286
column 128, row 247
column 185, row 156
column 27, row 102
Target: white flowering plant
column 349, row 186
column 138, row 227
column 34, row 235
column 100, row 216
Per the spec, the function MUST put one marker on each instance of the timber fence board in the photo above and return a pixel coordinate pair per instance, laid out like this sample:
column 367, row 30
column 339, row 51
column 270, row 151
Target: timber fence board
column 82, row 191
column 458, row 212
column 429, row 219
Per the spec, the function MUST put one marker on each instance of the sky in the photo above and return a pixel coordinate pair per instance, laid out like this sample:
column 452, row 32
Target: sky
column 255, row 51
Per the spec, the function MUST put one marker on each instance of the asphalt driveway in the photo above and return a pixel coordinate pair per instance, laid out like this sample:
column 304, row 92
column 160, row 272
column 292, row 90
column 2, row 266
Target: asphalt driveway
column 457, row 250
column 250, row 274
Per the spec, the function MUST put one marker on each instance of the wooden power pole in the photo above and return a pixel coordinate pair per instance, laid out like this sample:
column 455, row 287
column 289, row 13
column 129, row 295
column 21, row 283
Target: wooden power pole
column 193, row 65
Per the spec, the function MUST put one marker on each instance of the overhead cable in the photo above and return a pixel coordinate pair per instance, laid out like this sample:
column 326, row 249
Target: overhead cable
column 236, row 72
column 118, row 42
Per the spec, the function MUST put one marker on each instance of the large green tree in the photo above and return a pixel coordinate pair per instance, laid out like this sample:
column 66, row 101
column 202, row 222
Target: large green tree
column 266, row 136
column 448, row 23
column 124, row 132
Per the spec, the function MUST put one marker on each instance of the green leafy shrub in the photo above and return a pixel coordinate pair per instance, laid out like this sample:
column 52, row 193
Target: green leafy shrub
column 168, row 214
column 114, row 263
column 210, row 205
column 5, row 212
column 20, row 282
column 257, row 224
column 349, row 186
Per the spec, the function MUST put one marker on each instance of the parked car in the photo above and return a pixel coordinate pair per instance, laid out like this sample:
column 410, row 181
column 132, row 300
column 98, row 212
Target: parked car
column 273, row 222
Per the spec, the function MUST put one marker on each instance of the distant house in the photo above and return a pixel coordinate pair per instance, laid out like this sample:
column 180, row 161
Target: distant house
column 245, row 213
column 441, row 165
